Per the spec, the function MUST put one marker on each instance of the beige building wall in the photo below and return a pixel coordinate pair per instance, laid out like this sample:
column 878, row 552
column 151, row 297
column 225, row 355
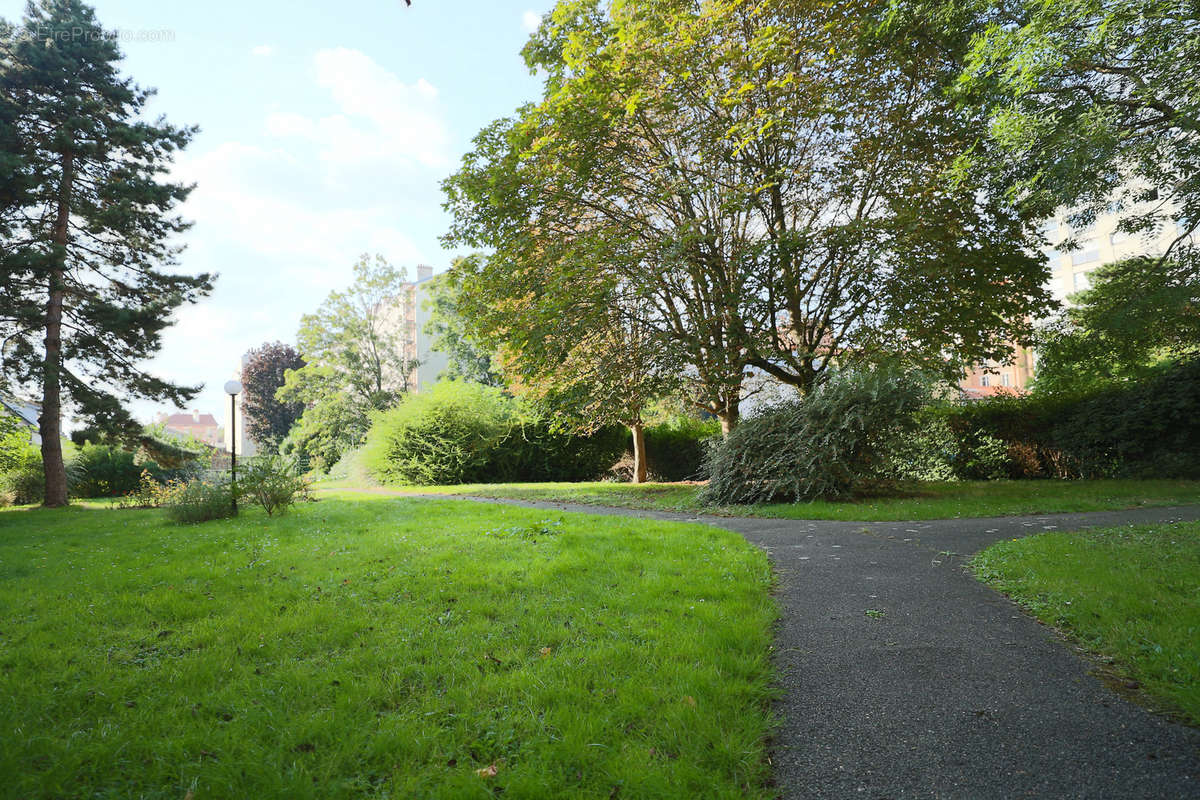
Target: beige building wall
column 1100, row 244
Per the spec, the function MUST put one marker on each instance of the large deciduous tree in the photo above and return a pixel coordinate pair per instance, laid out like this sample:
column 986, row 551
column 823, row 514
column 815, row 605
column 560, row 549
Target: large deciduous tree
column 1096, row 104
column 451, row 332
column 268, row 420
column 86, row 216
column 358, row 359
column 773, row 179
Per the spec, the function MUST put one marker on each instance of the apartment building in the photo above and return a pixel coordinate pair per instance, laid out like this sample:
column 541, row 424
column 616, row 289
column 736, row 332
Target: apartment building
column 410, row 314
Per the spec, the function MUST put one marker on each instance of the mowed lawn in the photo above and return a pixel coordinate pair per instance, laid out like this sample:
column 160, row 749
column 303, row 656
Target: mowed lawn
column 1130, row 595
column 910, row 501
column 381, row 647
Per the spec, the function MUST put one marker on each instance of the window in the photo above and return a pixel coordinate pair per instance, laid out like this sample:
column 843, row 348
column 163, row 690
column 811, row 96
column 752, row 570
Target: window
column 985, row 380
column 1006, row 379
column 1088, row 252
column 1082, row 281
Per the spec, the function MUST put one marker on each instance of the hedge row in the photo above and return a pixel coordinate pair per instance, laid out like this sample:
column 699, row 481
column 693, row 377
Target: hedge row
column 1149, row 429
column 468, row 433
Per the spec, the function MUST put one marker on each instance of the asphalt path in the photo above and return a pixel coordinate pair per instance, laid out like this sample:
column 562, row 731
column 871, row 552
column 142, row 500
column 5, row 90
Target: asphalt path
column 903, row 676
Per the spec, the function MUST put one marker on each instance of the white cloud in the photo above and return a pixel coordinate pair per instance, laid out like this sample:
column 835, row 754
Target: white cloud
column 283, row 218
column 263, row 51
column 382, row 121
column 256, row 198
column 531, row 21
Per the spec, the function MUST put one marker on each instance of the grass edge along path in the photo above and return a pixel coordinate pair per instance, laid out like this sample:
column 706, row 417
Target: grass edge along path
column 382, row 646
column 943, row 500
column 1129, row 596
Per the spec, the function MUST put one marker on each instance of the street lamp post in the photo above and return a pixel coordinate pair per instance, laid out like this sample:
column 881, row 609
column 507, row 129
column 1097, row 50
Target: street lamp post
column 233, row 389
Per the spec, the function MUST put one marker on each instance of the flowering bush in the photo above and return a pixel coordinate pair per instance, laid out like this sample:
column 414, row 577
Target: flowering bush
column 200, row 501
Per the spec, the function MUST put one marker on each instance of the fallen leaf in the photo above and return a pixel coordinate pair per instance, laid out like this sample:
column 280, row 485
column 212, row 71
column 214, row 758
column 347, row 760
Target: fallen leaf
column 489, row 771
column 691, row 701
column 545, row 651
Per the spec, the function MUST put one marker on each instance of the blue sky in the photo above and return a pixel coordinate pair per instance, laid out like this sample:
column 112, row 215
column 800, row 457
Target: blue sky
column 326, row 129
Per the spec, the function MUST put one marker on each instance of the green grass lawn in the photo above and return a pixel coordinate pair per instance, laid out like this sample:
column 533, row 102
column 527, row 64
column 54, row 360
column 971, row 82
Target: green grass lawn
column 380, row 647
column 1130, row 595
column 912, row 501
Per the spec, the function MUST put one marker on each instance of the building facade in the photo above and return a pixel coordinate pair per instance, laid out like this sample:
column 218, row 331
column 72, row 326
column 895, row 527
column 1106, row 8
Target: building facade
column 194, row 425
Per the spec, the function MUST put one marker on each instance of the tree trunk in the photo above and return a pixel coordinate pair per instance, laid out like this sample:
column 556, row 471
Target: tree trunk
column 729, row 417
column 639, row 453
column 50, row 421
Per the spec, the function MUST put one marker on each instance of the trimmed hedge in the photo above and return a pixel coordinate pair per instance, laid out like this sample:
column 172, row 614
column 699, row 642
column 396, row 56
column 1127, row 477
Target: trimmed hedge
column 675, row 449
column 469, row 433
column 1149, row 429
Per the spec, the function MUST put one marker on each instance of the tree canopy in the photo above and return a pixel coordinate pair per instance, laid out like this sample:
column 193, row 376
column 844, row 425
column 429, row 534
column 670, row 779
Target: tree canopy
column 769, row 179
column 1096, row 106
column 1139, row 315
column 268, row 420
column 357, row 360
column 89, row 232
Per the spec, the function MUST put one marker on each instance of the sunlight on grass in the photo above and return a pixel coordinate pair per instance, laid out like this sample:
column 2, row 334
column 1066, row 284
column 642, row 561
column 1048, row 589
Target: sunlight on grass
column 1129, row 594
column 380, row 647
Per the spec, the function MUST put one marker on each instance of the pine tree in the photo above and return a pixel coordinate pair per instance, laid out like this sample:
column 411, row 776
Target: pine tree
column 86, row 225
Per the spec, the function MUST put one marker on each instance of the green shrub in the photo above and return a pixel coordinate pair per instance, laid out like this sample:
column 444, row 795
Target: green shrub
column 25, row 482
column 837, row 441
column 150, row 493
column 272, row 481
column 1147, row 429
column 675, row 449
column 928, row 452
column 200, row 501
column 102, row 470
column 468, row 433
column 445, row 436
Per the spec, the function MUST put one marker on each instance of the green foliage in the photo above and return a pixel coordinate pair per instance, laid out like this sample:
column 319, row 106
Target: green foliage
column 468, row 359
column 87, row 215
column 356, row 363
column 102, row 470
column 684, row 155
column 834, row 443
column 201, row 500
column 469, row 433
column 150, row 493
column 675, row 448
column 267, row 419
column 272, row 481
column 1095, row 104
column 1138, row 315
column 14, row 443
column 1150, row 428
column 23, row 481
column 333, row 424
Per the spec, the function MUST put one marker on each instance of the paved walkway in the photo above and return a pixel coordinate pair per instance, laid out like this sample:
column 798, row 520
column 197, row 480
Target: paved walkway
column 953, row 692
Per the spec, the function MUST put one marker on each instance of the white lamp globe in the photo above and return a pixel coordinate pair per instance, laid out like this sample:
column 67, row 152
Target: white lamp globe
column 233, row 387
